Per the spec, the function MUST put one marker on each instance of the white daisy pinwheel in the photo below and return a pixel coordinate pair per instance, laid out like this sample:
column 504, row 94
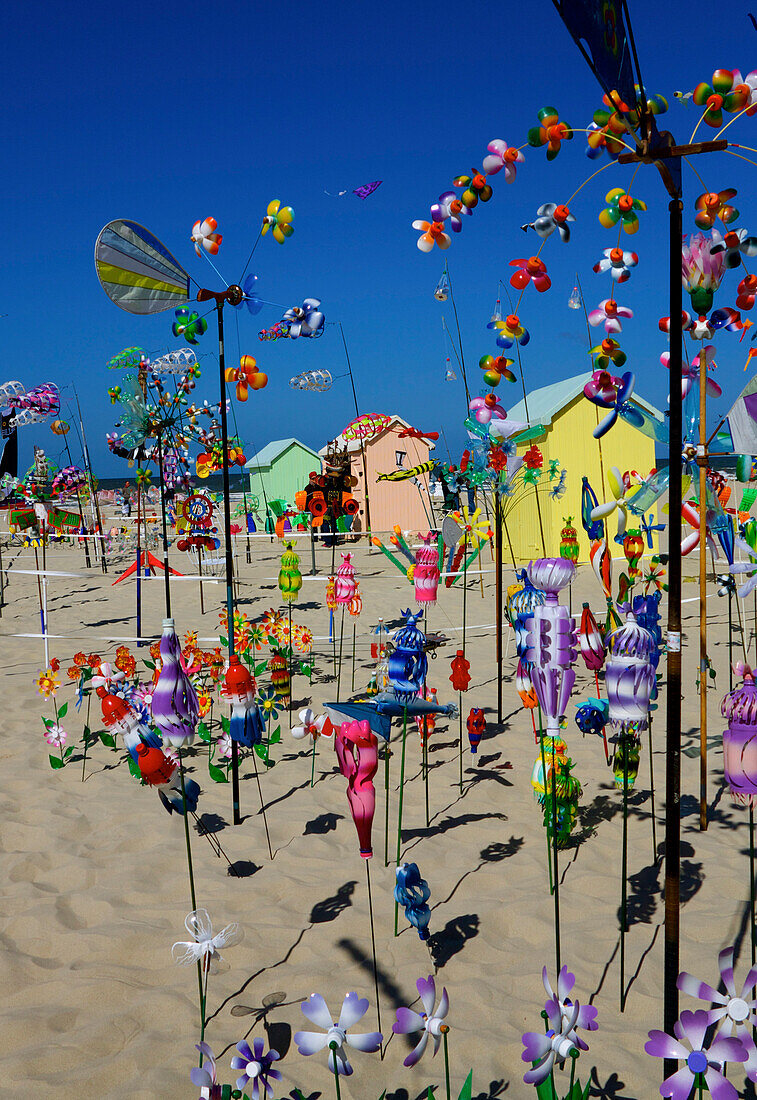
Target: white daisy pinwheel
column 204, row 947
column 430, row 1022
column 353, row 1010
column 312, row 725
column 735, row 1013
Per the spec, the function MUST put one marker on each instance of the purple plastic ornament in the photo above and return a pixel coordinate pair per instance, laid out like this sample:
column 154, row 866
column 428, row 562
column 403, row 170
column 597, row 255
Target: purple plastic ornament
column 629, row 681
column 552, row 641
column 175, row 709
column 740, row 739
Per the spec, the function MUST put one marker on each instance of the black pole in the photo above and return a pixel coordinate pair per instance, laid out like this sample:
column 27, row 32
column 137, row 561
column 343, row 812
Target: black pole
column 229, row 550
column 166, row 574
column 673, row 702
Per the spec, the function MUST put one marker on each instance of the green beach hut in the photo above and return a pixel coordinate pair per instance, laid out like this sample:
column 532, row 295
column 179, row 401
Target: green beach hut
column 280, row 469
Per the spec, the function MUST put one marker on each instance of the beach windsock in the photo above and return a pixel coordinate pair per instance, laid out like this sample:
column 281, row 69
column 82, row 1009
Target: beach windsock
column 137, row 271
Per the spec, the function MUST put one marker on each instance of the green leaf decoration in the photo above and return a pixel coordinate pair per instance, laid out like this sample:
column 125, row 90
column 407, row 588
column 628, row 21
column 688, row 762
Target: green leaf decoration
column 225, row 723
column 218, row 775
column 546, row 1090
column 305, row 669
column 149, row 664
column 262, row 751
column 68, row 752
column 259, row 669
column 275, row 736
column 134, row 768
column 86, row 735
column 108, row 739
column 203, row 732
column 224, row 642
column 63, row 710
column 55, row 761
column 47, row 723
column 467, row 1089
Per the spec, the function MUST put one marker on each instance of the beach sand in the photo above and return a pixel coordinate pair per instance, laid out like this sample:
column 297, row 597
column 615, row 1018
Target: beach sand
column 95, row 887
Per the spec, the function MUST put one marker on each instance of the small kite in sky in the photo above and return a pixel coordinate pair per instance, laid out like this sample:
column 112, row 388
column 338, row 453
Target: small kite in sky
column 361, row 192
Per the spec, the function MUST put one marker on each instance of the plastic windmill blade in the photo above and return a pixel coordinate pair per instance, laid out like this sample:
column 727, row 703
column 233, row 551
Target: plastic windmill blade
column 137, row 271
column 279, row 218
column 204, row 236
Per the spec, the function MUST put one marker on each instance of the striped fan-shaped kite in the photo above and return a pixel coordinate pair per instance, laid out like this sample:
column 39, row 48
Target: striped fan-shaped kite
column 137, row 271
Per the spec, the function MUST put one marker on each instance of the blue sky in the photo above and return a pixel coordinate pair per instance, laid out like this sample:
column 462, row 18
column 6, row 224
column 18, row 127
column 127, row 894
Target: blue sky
column 167, row 113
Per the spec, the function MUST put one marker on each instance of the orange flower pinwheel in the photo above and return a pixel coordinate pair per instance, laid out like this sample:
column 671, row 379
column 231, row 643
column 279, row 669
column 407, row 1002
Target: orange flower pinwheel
column 247, row 376
column 713, row 205
column 550, row 132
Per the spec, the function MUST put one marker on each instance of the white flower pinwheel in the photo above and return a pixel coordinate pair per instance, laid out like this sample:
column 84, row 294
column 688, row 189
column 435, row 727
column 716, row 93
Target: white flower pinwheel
column 312, row 725
column 430, row 1022
column 620, row 498
column 734, row 1013
column 747, row 567
column 204, row 947
column 547, row 1049
column 353, row 1010
column 560, row 1005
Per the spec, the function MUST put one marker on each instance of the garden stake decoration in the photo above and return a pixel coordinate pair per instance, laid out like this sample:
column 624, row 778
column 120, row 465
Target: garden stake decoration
column 336, row 1035
column 431, row 1022
column 563, row 1017
column 740, row 765
column 412, row 893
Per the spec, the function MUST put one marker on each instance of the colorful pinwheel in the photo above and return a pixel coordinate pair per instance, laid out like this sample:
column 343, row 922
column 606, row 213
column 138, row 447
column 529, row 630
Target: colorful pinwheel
column 486, row 409
column 734, row 1010
column 609, row 351
column 251, row 298
column 563, row 1017
column 621, row 492
column 246, row 375
column 550, row 132
column 609, row 313
column 279, row 218
column 690, row 371
column 531, row 270
column 429, row 1022
column 204, row 236
column 733, row 244
column 476, row 188
column 502, row 155
column 747, row 289
column 256, row 1066
column 621, row 208
column 723, row 94
column 317, row 1011
column 496, row 369
column 432, row 233
column 700, row 1062
column 450, row 206
column 713, row 205
column 188, row 324
column 551, row 217
column 749, row 568
column 305, row 320
column 510, row 331
column 618, row 262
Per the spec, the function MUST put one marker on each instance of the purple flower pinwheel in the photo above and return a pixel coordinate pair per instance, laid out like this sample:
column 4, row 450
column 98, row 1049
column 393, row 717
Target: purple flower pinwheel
column 430, row 1022
column 547, row 1049
column 750, row 568
column 692, row 1028
column 256, row 1066
column 353, row 1010
column 734, row 1010
column 451, row 206
column 559, row 1007
column 205, row 1077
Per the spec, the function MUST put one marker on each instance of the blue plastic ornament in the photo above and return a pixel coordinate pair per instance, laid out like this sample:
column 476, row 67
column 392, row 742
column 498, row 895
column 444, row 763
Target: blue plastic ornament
column 412, row 893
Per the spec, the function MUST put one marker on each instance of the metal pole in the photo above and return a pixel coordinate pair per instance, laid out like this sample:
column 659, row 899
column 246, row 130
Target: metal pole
column 702, row 462
column 498, row 579
column 166, row 574
column 673, row 701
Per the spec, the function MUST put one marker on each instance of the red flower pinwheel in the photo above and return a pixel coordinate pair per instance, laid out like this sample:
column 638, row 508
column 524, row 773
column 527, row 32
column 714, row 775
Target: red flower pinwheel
column 551, row 217
column 747, row 291
column 733, row 244
column 533, row 459
column 724, row 94
column 550, row 132
column 496, row 369
column 476, row 188
column 621, row 208
column 608, row 352
column 609, row 314
column 450, row 206
column 432, row 232
column 502, row 155
column 510, row 331
column 713, row 205
column 533, row 270
column 617, row 262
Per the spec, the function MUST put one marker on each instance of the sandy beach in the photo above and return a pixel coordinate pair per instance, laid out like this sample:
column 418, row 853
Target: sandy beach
column 95, row 878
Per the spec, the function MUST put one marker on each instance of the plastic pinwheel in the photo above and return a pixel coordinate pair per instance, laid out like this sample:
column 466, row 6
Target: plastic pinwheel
column 496, row 369
column 749, row 568
column 747, row 290
column 713, row 205
column 615, row 394
column 531, row 270
column 278, row 218
column 204, row 236
column 560, row 1002
column 486, row 409
column 451, row 206
column 204, row 946
column 734, row 244
column 722, row 94
column 550, row 132
column 621, row 207
column 609, row 351
column 700, row 1062
column 335, row 1035
column 188, row 324
column 733, row 1011
column 609, row 313
column 618, row 262
column 563, row 1017
column 476, row 188
column 305, row 320
column 551, row 217
column 251, row 298
column 621, row 493
column 432, row 233
column 510, row 331
column 502, row 155
column 702, row 270
column 256, row 1067
column 430, row 1022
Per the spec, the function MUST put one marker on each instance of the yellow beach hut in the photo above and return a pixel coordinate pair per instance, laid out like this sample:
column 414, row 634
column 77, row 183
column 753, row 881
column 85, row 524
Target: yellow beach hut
column 569, row 420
